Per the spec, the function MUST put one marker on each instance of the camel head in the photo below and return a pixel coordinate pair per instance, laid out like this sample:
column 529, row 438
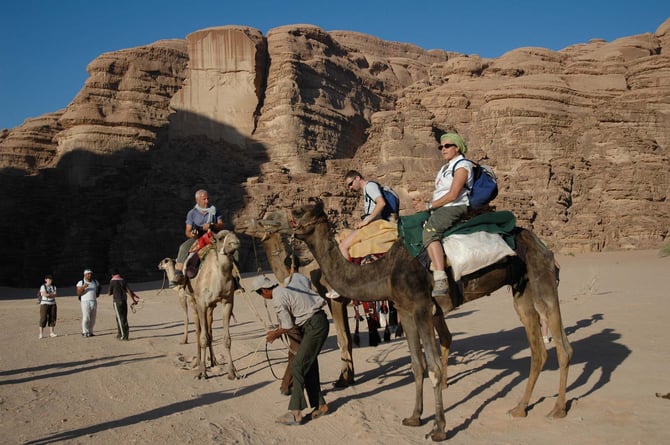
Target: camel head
column 304, row 218
column 227, row 242
column 165, row 264
column 273, row 222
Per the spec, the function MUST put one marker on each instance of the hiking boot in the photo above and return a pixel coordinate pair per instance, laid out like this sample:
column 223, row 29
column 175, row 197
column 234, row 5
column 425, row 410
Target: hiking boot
column 440, row 288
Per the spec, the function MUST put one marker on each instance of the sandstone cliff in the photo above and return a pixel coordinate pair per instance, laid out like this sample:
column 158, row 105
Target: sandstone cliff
column 579, row 138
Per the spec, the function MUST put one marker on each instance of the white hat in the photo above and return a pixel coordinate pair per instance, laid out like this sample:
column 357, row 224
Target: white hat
column 88, row 271
column 262, row 282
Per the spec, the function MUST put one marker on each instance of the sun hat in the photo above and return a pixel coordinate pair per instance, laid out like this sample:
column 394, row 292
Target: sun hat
column 262, row 282
column 456, row 139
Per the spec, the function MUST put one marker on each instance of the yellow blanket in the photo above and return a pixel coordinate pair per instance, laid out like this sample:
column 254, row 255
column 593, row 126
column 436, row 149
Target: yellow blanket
column 376, row 237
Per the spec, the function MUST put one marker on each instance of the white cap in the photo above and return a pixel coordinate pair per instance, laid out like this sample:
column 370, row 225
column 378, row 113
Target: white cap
column 262, row 282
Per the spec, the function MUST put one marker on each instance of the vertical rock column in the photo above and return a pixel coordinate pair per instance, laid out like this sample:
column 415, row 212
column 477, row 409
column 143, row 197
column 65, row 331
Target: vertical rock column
column 223, row 90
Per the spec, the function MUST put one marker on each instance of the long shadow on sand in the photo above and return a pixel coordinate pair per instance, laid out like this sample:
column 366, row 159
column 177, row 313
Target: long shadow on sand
column 70, row 368
column 177, row 407
column 600, row 353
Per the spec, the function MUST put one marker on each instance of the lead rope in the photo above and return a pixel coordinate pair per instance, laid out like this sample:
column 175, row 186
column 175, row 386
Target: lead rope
column 262, row 340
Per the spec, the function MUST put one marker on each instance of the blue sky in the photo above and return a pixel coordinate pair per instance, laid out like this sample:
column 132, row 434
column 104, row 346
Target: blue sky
column 45, row 45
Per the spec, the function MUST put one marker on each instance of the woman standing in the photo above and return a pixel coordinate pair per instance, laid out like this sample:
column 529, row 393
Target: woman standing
column 48, row 308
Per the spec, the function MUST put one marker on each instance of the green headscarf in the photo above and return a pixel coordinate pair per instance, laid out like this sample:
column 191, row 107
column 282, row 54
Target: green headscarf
column 455, row 139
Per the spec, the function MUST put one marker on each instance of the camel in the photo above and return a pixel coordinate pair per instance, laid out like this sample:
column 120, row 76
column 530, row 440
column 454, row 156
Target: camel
column 213, row 284
column 185, row 298
column 269, row 231
column 401, row 278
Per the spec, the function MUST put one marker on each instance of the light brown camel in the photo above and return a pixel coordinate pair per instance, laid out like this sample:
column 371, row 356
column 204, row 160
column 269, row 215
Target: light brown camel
column 269, row 232
column 401, row 278
column 185, row 298
column 214, row 283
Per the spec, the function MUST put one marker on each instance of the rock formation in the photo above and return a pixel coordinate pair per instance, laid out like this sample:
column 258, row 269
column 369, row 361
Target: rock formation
column 579, row 138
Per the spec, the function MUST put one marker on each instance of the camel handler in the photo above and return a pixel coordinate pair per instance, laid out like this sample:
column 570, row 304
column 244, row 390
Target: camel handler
column 305, row 310
column 200, row 220
column 299, row 282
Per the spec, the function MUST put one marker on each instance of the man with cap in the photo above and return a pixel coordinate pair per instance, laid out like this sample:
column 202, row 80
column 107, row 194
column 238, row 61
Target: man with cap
column 302, row 308
column 88, row 291
column 447, row 205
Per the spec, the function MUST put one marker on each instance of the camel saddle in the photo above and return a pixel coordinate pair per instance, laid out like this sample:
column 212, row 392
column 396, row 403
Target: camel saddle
column 376, row 237
column 470, row 245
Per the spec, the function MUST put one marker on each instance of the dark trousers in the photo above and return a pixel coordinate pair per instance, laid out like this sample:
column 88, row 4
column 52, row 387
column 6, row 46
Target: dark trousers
column 294, row 338
column 121, row 311
column 305, row 367
column 48, row 315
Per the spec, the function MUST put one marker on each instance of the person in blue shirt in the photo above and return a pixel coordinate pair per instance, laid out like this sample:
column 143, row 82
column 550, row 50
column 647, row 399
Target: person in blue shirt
column 202, row 218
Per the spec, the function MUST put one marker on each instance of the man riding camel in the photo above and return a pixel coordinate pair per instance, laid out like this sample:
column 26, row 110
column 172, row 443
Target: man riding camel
column 201, row 219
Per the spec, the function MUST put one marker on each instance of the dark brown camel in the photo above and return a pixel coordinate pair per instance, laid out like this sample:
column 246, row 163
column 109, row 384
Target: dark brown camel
column 401, row 278
column 396, row 275
column 276, row 250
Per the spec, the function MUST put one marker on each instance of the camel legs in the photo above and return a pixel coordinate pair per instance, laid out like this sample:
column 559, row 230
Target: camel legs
column 184, row 306
column 538, row 353
column 418, row 368
column 202, row 334
column 227, row 312
column 445, row 341
column 421, row 333
column 210, row 336
column 338, row 310
column 564, row 354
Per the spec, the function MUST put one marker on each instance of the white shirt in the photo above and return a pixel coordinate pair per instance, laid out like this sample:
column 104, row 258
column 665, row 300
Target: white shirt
column 91, row 292
column 371, row 192
column 445, row 178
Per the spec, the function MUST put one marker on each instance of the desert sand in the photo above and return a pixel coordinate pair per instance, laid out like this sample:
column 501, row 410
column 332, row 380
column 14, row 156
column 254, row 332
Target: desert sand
column 99, row 390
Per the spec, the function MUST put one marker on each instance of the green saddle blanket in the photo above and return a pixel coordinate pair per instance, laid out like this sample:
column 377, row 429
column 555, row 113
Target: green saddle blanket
column 410, row 228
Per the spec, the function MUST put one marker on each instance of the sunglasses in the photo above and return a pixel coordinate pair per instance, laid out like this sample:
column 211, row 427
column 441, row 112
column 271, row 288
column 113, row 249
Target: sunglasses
column 350, row 183
column 440, row 147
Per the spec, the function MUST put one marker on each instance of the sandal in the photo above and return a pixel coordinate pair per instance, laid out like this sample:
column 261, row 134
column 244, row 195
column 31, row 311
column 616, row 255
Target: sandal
column 288, row 419
column 320, row 411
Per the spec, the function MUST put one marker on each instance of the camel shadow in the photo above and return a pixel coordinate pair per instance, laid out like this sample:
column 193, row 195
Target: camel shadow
column 153, row 414
column 599, row 352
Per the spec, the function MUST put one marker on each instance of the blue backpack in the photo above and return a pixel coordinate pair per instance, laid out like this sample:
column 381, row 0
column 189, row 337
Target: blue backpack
column 484, row 185
column 391, row 198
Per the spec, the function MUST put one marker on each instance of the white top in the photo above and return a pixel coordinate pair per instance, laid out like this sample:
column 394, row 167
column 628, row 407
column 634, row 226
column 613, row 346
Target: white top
column 371, row 192
column 46, row 290
column 91, row 292
column 445, row 178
